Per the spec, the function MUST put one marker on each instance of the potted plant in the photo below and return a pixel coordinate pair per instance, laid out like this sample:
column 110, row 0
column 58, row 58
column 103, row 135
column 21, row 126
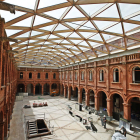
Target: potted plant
column 34, row 104
column 40, row 104
column 45, row 104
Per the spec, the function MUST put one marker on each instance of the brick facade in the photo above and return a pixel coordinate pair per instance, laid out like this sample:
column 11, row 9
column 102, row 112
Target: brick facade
column 8, row 83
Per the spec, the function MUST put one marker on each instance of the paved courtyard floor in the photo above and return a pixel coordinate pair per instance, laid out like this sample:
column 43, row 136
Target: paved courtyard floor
column 65, row 126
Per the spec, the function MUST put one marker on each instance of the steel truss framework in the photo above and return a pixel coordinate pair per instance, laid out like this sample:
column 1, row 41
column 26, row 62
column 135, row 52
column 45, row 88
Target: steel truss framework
column 70, row 44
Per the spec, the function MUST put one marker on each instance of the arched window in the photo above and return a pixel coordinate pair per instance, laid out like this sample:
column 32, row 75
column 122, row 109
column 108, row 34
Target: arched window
column 46, row 75
column 21, row 75
column 136, row 75
column 101, row 75
column 30, row 75
column 70, row 75
column 90, row 75
column 66, row 76
column 59, row 75
column 54, row 76
column 116, row 75
column 75, row 75
column 82, row 75
column 38, row 75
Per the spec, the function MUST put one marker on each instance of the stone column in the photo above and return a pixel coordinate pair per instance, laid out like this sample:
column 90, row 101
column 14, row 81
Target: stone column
column 96, row 102
column 109, row 107
column 69, row 93
column 34, row 90
column 42, row 91
column 65, row 92
column 79, row 97
column 127, row 111
column 87, row 99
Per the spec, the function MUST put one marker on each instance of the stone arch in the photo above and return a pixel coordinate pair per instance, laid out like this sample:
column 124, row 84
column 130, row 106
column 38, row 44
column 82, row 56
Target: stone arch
column 90, row 97
column 100, row 90
column 46, row 89
column 116, row 92
column 130, row 97
column 132, row 66
column 54, row 86
column 30, row 88
column 38, row 89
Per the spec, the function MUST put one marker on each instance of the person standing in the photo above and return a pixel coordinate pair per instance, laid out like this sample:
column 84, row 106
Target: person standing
column 123, row 130
column 104, row 121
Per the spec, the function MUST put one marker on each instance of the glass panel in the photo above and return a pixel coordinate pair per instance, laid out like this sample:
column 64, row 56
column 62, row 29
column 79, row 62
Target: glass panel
column 108, row 38
column 92, row 8
column 64, row 34
column 40, row 20
column 74, row 24
column 83, row 43
column 44, row 3
column 103, row 24
column 10, row 32
column 49, row 28
column 24, row 35
column 65, row 41
column 74, row 35
column 136, row 18
column 116, row 28
column 26, row 3
column 76, row 41
column 96, row 37
column 52, row 36
column 35, row 33
column 85, row 34
column 127, row 9
column 74, row 13
column 8, row 16
column 128, row 26
column 88, row 26
column 43, row 37
column 61, row 27
column 93, row 43
column 25, row 23
column 56, row 13
column 110, row 12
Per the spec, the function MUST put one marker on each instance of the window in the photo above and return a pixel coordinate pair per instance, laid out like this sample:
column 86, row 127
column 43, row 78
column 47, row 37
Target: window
column 82, row 75
column 75, row 75
column 90, row 75
column 70, row 75
column 54, row 76
column 62, row 76
column 101, row 75
column 30, row 75
column 116, row 75
column 136, row 75
column 59, row 75
column 46, row 75
column 38, row 75
column 21, row 75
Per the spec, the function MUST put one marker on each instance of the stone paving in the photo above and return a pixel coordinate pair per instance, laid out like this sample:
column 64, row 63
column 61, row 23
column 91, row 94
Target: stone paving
column 65, row 126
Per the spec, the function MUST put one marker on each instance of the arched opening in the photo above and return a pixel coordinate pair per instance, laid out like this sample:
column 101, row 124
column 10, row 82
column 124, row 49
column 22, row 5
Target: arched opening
column 30, row 89
column 83, row 96
column 117, row 103
column 62, row 91
column 54, row 76
column 1, row 122
column 38, row 89
column 21, row 88
column 102, row 101
column 115, row 75
column 46, row 89
column 70, row 92
column 135, row 111
column 66, row 91
column 101, row 75
column 75, row 94
column 136, row 75
column 30, row 75
column 54, row 86
column 3, row 73
column 91, row 98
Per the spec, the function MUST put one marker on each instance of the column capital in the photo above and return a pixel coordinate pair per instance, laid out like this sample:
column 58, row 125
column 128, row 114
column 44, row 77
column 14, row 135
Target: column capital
column 126, row 105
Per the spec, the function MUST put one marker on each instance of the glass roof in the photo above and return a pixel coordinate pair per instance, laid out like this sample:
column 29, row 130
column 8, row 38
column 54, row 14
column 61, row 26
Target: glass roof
column 61, row 32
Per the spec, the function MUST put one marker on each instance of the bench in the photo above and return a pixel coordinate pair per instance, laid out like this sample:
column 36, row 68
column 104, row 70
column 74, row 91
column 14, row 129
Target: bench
column 78, row 118
column 93, row 128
